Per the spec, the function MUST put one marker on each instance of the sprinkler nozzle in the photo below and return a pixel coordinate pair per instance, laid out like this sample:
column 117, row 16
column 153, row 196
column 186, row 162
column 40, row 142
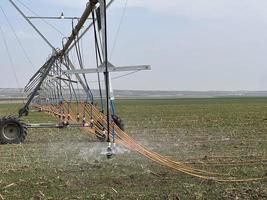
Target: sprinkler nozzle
column 109, row 153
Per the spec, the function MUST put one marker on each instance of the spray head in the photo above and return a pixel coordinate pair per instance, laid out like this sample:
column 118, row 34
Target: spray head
column 62, row 16
column 109, row 153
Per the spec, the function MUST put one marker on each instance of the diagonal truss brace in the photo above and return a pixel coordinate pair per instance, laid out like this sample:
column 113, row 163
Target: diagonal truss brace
column 48, row 65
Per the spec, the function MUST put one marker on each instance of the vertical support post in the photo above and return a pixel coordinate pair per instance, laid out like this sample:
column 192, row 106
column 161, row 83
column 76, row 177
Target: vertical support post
column 107, row 72
column 103, row 11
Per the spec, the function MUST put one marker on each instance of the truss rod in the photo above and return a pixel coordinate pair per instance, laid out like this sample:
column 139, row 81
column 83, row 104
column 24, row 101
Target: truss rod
column 34, row 27
column 78, row 27
column 25, row 108
column 57, row 18
column 71, row 67
column 88, row 28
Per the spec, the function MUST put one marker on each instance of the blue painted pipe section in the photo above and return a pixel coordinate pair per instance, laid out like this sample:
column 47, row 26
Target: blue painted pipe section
column 113, row 109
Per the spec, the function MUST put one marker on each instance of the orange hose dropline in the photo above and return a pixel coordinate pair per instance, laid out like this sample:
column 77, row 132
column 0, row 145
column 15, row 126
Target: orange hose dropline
column 98, row 118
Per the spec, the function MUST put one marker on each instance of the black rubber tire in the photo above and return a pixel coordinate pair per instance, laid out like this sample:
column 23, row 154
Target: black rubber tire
column 12, row 130
column 118, row 121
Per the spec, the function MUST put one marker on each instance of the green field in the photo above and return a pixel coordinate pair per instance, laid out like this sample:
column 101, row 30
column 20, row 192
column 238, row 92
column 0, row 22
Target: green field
column 226, row 135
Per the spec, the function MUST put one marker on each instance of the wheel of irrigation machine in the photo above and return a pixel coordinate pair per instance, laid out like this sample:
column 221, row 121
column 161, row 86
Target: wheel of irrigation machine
column 118, row 121
column 12, row 130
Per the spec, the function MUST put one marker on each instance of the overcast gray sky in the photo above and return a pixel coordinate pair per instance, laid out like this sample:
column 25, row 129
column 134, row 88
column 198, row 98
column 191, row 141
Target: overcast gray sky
column 190, row 44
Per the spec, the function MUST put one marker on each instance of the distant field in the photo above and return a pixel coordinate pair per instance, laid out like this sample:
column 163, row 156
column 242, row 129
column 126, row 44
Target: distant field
column 226, row 135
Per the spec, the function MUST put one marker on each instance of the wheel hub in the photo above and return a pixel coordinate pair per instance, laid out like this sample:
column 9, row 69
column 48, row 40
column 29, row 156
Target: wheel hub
column 11, row 131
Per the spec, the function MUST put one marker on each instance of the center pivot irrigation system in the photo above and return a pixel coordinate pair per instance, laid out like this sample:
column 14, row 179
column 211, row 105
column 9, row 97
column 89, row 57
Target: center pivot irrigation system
column 61, row 89
column 60, row 85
